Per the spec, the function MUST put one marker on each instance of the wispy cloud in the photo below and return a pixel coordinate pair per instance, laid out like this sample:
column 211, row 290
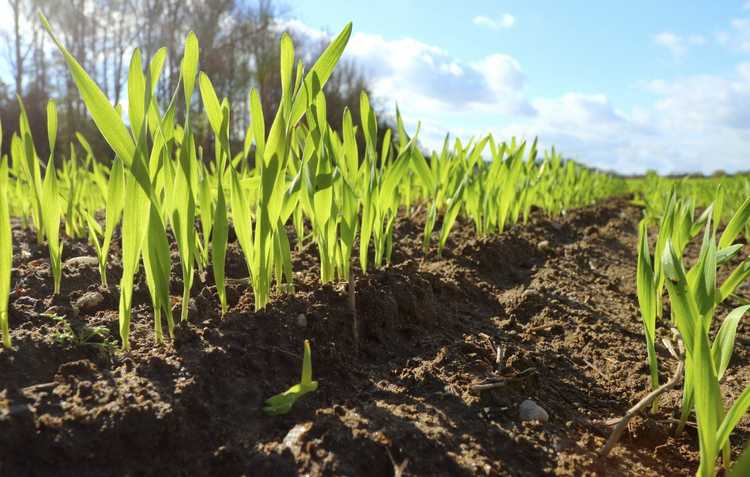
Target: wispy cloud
column 676, row 44
column 504, row 21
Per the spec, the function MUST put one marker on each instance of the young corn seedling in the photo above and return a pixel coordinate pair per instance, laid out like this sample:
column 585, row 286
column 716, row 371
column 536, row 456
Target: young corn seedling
column 692, row 297
column 646, row 289
column 51, row 202
column 702, row 277
column 318, row 200
column 218, row 117
column 510, row 182
column 368, row 176
column 183, row 214
column 6, row 249
column 435, row 184
column 455, row 202
column 379, row 187
column 24, row 154
column 345, row 189
column 266, row 244
column 115, row 200
column 388, row 200
column 130, row 147
column 425, row 175
column 282, row 403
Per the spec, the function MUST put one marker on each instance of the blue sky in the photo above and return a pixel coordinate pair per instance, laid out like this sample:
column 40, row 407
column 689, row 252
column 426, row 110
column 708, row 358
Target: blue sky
column 626, row 86
column 620, row 85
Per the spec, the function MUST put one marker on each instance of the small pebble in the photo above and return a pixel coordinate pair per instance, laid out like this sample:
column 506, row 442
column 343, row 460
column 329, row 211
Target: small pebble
column 543, row 245
column 531, row 411
column 301, row 320
column 81, row 262
column 89, row 301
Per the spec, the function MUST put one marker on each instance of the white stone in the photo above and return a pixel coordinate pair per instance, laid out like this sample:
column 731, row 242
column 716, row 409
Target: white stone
column 293, row 439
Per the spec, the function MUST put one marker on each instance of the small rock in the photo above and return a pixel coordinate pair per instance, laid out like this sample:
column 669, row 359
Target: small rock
column 301, row 320
column 89, row 301
column 293, row 438
column 531, row 411
column 81, row 262
column 543, row 245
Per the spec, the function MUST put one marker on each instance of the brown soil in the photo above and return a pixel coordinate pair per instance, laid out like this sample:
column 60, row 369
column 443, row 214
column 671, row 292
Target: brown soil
column 565, row 314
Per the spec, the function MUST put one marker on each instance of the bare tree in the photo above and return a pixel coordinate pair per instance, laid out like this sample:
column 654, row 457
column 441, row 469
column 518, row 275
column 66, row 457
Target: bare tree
column 18, row 47
column 239, row 42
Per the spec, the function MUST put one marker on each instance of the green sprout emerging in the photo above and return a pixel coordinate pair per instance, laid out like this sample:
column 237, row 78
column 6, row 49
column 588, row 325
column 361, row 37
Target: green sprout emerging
column 282, row 403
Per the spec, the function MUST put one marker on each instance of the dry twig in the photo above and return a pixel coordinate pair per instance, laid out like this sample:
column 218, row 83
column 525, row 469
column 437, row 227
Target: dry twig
column 614, row 437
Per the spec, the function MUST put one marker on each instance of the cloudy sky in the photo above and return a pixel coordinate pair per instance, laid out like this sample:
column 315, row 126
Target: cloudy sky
column 628, row 86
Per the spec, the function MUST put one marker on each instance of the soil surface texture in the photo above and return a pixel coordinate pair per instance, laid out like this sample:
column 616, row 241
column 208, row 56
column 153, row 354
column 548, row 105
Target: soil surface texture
column 547, row 311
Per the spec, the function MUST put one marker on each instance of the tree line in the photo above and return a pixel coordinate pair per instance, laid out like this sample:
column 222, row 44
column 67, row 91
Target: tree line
column 239, row 42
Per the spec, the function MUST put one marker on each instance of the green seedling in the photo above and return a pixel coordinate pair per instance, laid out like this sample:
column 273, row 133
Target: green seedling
column 282, row 403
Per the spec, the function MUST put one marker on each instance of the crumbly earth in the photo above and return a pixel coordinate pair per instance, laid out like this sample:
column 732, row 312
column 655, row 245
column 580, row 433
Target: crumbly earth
column 555, row 297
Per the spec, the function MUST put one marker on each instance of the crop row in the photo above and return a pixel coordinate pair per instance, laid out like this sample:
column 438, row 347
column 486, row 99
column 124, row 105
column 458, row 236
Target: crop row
column 303, row 171
column 694, row 294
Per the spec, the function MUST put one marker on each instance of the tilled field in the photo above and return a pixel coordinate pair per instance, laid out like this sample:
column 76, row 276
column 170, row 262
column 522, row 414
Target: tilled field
column 547, row 309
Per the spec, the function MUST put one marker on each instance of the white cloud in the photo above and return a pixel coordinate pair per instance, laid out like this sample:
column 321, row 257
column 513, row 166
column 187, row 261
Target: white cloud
column 301, row 28
column 422, row 77
column 504, row 21
column 677, row 44
column 738, row 35
column 425, row 79
column 694, row 123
